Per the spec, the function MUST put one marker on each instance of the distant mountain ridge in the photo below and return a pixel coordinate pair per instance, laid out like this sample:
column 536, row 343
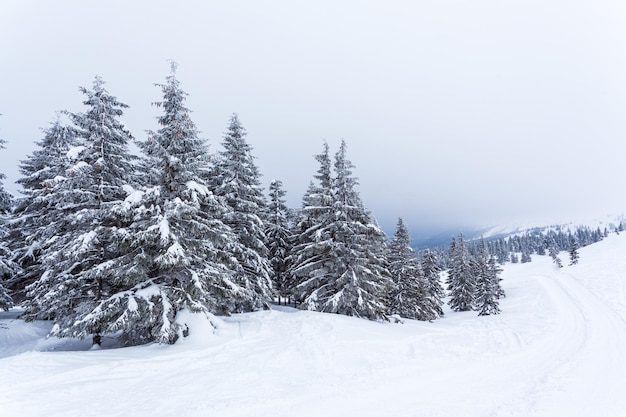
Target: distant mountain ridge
column 609, row 221
column 443, row 237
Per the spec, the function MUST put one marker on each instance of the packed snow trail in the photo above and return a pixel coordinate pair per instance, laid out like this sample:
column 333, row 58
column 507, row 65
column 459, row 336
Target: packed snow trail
column 556, row 350
column 579, row 365
column 598, row 358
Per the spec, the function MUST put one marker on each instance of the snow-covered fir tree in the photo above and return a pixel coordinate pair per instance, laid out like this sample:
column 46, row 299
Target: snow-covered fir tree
column 410, row 298
column 488, row 289
column 7, row 266
column 5, row 196
column 340, row 263
column 541, row 250
column 432, row 274
column 39, row 216
column 236, row 178
column 77, row 262
column 6, row 302
column 501, row 252
column 573, row 251
column 279, row 240
column 317, row 205
column 461, row 280
column 553, row 251
column 311, row 239
column 177, row 251
column 486, row 273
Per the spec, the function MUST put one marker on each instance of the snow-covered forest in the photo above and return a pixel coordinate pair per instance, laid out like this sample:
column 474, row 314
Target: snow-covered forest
column 556, row 349
column 107, row 242
column 328, row 209
column 110, row 242
column 121, row 241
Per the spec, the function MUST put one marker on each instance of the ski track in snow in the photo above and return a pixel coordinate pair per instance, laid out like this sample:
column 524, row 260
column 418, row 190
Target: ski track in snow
column 557, row 349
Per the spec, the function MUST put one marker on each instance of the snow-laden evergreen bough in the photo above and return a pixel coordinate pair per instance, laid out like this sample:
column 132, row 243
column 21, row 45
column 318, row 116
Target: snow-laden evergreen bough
column 339, row 261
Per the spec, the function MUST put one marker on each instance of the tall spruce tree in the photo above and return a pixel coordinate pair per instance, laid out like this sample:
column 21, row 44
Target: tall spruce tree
column 7, row 266
column 553, row 251
column 279, row 240
column 39, row 214
column 488, row 289
column 312, row 247
column 77, row 275
column 411, row 297
column 341, row 263
column 448, row 261
column 236, row 178
column 432, row 275
column 7, row 269
column 573, row 251
column 177, row 251
column 461, row 280
column 5, row 196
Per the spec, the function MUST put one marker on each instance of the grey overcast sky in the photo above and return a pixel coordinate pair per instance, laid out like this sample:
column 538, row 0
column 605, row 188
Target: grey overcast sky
column 456, row 112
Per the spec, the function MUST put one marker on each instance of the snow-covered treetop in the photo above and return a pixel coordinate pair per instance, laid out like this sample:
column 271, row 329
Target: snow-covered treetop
column 401, row 242
column 177, row 153
column 50, row 160
column 106, row 142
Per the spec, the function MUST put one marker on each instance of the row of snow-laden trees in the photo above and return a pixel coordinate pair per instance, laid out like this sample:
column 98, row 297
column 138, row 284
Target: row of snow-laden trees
column 106, row 242
column 519, row 247
column 473, row 271
column 551, row 240
column 473, row 279
column 338, row 260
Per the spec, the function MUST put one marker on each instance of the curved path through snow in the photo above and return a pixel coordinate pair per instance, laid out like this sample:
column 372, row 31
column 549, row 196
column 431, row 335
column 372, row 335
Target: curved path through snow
column 556, row 350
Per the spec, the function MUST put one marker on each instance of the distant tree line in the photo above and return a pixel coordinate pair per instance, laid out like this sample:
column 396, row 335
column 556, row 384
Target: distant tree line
column 519, row 247
column 106, row 242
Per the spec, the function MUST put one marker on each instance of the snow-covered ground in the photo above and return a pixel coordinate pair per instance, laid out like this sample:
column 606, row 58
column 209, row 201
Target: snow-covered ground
column 556, row 350
column 608, row 221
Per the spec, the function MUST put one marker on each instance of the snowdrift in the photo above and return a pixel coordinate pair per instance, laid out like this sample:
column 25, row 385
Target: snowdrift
column 556, row 350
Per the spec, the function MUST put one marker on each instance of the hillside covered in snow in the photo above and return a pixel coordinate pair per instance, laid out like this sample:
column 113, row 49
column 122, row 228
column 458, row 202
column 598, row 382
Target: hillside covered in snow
column 556, row 350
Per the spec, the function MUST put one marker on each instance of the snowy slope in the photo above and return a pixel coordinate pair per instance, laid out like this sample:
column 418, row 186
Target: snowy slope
column 557, row 350
column 609, row 221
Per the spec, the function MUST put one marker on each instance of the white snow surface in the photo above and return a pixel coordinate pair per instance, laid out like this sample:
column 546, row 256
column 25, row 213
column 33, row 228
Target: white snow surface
column 132, row 196
column 74, row 152
column 608, row 221
column 557, row 349
column 197, row 188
